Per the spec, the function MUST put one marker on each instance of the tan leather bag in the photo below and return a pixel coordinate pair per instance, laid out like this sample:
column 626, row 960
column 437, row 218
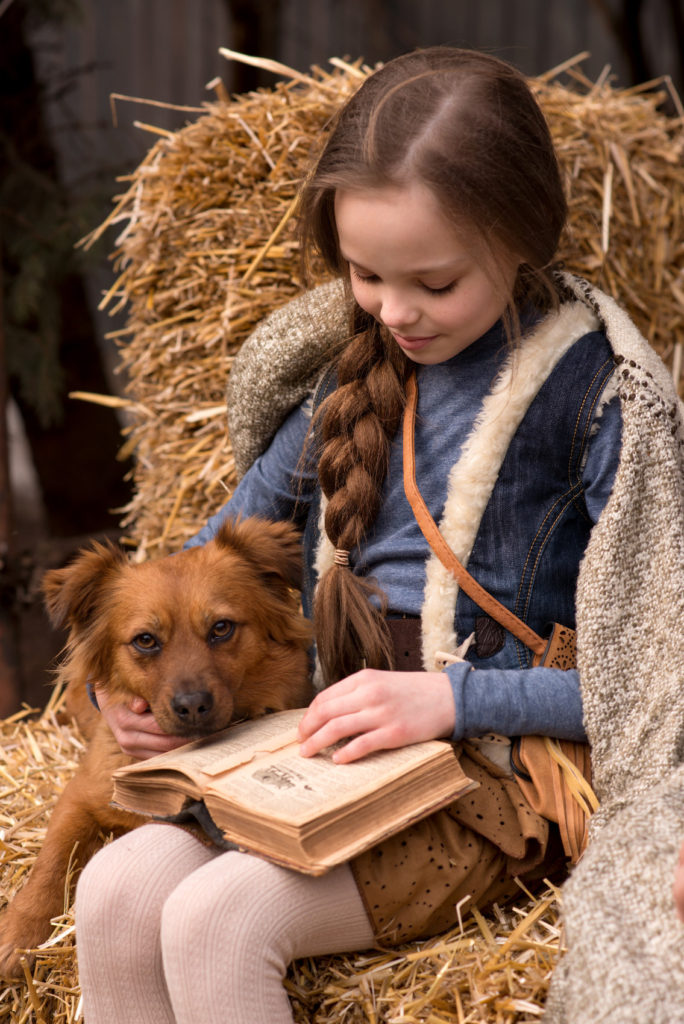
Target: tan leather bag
column 554, row 775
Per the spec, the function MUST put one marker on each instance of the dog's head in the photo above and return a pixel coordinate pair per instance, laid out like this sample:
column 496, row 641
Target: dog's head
column 205, row 636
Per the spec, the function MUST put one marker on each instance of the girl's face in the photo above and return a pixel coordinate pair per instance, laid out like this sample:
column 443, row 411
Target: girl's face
column 417, row 274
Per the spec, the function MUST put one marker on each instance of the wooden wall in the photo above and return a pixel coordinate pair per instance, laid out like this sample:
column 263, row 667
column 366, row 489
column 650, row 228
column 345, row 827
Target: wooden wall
column 167, row 51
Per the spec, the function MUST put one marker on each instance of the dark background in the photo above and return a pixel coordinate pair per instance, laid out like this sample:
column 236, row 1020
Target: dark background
column 64, row 142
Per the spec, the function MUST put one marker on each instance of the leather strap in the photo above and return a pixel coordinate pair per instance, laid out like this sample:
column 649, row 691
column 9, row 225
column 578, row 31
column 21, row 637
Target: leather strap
column 468, row 584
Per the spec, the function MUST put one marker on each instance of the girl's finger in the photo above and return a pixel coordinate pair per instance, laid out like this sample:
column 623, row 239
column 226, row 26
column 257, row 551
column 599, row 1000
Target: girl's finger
column 345, row 701
column 139, row 705
column 340, row 689
column 339, row 728
column 360, row 746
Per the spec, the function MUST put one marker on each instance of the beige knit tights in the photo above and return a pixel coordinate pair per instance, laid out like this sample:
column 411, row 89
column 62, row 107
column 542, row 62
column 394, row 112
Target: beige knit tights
column 172, row 932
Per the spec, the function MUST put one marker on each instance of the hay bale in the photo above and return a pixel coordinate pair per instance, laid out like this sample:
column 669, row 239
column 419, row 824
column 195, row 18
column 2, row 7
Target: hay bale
column 489, row 969
column 208, row 250
column 37, row 759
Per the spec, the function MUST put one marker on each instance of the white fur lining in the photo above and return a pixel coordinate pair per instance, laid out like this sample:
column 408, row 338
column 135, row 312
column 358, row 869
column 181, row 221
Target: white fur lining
column 324, row 560
column 472, row 479
column 325, row 555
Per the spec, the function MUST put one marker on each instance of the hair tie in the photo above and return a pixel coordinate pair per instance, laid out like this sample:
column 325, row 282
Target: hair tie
column 342, row 557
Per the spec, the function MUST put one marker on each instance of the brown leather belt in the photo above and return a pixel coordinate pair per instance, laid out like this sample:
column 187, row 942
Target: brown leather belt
column 406, row 638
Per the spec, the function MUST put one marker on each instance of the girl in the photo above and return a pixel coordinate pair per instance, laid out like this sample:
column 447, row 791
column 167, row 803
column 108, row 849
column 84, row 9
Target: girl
column 437, row 204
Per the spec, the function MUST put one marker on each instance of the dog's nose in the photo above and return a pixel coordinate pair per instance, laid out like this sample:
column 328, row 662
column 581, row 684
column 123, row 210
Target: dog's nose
column 192, row 707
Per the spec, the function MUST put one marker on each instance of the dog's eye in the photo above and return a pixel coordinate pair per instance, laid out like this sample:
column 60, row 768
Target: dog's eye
column 145, row 642
column 221, row 630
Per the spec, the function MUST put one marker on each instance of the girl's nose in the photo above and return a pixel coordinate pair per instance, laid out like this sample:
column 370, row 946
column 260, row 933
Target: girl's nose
column 397, row 310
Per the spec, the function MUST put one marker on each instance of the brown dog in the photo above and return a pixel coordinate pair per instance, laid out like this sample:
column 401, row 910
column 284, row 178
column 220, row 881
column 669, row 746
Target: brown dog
column 206, row 636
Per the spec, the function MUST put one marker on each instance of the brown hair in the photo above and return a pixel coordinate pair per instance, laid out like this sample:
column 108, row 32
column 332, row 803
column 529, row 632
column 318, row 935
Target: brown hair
column 466, row 125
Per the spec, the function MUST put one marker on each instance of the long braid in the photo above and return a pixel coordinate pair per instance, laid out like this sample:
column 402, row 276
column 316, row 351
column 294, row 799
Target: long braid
column 466, row 126
column 358, row 422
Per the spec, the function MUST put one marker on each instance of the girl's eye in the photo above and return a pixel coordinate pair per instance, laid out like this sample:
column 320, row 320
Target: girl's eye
column 444, row 290
column 147, row 643
column 364, row 278
column 221, row 630
column 373, row 279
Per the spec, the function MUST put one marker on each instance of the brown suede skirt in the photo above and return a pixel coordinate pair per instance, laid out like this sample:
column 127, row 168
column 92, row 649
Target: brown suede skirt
column 419, row 882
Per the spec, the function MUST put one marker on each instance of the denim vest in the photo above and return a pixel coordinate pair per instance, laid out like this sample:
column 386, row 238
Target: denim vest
column 535, row 527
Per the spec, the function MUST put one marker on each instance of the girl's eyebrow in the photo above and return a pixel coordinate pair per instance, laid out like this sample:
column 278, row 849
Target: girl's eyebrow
column 437, row 268
column 359, row 266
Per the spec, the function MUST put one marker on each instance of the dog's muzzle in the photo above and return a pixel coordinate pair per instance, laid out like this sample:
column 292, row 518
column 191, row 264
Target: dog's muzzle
column 193, row 708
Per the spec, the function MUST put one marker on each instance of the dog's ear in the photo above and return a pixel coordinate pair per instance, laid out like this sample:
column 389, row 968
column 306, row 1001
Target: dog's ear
column 273, row 548
column 71, row 594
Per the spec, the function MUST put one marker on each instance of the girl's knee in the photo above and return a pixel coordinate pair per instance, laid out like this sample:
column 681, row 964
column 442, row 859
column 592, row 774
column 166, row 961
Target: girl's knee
column 134, row 871
column 257, row 909
column 227, row 899
column 186, row 915
column 104, row 887
column 103, row 873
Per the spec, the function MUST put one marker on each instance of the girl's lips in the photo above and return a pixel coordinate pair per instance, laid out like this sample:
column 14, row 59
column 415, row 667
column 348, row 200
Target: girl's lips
column 412, row 343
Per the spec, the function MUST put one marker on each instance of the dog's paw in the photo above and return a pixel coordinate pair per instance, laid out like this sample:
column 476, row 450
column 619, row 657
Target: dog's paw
column 17, row 939
column 11, row 963
column 11, row 960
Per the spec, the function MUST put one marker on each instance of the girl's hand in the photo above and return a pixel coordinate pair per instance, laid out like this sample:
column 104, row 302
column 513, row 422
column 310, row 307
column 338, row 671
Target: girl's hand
column 135, row 727
column 381, row 710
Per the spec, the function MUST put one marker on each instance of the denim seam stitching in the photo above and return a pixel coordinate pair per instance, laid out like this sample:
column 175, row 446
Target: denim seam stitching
column 589, row 420
column 568, row 497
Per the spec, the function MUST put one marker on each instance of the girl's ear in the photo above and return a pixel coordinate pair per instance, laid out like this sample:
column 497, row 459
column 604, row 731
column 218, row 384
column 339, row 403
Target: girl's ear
column 273, row 548
column 71, row 594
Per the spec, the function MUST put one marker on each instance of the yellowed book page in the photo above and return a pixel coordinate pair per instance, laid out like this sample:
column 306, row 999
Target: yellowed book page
column 287, row 787
column 224, row 750
column 261, row 736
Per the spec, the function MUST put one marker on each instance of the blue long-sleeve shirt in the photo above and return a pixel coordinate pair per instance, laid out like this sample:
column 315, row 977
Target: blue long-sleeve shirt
column 506, row 699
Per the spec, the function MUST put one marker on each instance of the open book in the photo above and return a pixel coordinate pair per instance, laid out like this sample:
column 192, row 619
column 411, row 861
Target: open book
column 248, row 785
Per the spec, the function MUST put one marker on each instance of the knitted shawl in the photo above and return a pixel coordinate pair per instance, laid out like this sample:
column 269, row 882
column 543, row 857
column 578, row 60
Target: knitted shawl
column 625, row 952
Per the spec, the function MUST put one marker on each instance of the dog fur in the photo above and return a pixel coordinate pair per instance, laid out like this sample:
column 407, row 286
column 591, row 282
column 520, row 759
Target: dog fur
column 210, row 635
